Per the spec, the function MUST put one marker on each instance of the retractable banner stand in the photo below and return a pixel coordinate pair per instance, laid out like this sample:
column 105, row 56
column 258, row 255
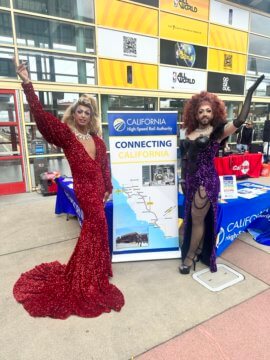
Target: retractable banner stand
column 143, row 162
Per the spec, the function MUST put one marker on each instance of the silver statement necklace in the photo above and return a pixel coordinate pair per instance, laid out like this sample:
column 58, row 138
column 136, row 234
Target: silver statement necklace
column 82, row 136
column 204, row 129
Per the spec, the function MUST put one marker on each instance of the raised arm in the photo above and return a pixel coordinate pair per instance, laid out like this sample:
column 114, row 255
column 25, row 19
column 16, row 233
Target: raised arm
column 52, row 129
column 232, row 127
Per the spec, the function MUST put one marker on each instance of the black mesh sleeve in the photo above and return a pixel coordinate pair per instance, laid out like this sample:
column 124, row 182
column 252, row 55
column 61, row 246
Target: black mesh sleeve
column 246, row 106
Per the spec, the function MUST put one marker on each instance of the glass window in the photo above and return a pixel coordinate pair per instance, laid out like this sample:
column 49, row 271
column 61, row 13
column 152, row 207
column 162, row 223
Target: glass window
column 36, row 144
column 7, row 108
column 6, row 36
column 55, row 103
column 5, row 3
column 105, row 136
column 69, row 9
column 10, row 171
column 168, row 104
column 259, row 45
column 41, row 165
column 262, row 5
column 260, row 24
column 262, row 90
column 47, row 67
column 50, row 34
column 9, row 141
column 126, row 103
column 258, row 66
column 6, row 63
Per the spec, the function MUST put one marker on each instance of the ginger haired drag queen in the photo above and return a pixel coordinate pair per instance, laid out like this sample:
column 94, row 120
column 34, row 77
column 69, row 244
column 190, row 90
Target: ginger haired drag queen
column 205, row 122
column 81, row 287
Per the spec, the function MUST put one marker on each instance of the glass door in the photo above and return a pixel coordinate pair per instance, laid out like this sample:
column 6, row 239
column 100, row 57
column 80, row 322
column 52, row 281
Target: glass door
column 12, row 178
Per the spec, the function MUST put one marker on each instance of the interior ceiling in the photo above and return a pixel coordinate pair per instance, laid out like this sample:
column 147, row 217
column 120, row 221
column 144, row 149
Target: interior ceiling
column 262, row 5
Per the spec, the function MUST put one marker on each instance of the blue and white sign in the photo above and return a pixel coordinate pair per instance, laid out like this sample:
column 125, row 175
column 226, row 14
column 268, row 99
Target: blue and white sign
column 143, row 162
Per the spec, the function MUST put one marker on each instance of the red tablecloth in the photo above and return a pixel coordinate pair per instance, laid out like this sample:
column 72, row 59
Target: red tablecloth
column 240, row 165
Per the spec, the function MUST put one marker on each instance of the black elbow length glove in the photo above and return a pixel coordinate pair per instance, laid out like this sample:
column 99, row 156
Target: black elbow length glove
column 246, row 106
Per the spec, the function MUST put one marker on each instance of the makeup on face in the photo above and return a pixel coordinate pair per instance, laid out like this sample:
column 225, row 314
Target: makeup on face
column 205, row 114
column 82, row 116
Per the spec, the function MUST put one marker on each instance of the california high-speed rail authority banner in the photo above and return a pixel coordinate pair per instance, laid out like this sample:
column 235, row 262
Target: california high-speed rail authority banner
column 143, row 162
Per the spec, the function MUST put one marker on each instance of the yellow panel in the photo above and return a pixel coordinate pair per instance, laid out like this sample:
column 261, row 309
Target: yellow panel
column 222, row 37
column 225, row 61
column 194, row 8
column 122, row 15
column 114, row 73
column 180, row 28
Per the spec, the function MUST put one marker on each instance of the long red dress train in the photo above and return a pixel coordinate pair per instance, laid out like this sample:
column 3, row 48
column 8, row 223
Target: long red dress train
column 82, row 286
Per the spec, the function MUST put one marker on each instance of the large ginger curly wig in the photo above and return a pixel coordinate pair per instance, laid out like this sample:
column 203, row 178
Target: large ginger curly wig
column 192, row 106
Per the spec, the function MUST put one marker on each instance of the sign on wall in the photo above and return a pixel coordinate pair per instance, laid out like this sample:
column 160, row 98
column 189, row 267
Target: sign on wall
column 193, row 8
column 127, row 74
column 229, row 15
column 127, row 46
column 225, row 38
column 181, row 79
column 143, row 163
column 183, row 29
column 182, row 54
column 226, row 61
column 126, row 16
column 225, row 83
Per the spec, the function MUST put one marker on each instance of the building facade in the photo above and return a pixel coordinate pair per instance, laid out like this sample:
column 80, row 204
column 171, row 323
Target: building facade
column 131, row 55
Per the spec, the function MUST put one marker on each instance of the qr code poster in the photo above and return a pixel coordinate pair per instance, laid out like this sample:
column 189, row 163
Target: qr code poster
column 129, row 45
column 122, row 45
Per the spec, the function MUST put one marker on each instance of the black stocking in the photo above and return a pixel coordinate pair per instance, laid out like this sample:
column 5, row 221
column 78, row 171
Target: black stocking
column 199, row 208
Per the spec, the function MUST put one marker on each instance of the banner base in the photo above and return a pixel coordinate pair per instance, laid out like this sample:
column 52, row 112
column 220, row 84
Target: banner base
column 146, row 256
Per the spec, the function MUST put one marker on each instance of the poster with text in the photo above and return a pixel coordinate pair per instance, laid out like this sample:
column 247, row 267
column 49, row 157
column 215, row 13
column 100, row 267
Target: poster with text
column 184, row 29
column 182, row 79
column 226, row 61
column 225, row 83
column 192, row 8
column 182, row 54
column 127, row 46
column 145, row 193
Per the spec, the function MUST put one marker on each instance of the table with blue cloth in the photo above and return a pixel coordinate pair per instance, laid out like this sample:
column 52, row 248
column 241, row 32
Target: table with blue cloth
column 234, row 216
column 238, row 215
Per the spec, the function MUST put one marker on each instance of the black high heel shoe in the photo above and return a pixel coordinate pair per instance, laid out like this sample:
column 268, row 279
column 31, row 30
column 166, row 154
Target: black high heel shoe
column 198, row 253
column 185, row 269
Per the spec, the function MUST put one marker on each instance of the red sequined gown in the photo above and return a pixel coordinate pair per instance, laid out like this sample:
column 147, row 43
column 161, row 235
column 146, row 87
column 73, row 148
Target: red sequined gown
column 82, row 286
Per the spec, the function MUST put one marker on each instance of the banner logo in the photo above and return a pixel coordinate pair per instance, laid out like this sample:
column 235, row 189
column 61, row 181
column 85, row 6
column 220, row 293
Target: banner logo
column 244, row 167
column 225, row 84
column 182, row 78
column 119, row 124
column 228, row 59
column 186, row 53
column 183, row 4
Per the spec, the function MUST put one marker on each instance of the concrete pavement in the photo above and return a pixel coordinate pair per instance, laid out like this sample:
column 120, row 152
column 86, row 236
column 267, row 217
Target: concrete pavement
column 166, row 316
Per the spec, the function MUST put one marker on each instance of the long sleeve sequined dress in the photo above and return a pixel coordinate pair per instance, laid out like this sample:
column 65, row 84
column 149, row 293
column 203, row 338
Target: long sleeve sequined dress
column 81, row 287
column 201, row 171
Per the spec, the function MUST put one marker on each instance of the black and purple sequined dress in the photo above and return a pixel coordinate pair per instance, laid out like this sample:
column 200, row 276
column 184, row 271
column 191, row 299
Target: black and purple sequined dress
column 201, row 172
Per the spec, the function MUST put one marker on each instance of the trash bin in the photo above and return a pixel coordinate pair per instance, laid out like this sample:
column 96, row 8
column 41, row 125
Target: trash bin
column 48, row 185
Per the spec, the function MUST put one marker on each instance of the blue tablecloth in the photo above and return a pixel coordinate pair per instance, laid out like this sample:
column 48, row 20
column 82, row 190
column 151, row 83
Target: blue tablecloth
column 234, row 216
